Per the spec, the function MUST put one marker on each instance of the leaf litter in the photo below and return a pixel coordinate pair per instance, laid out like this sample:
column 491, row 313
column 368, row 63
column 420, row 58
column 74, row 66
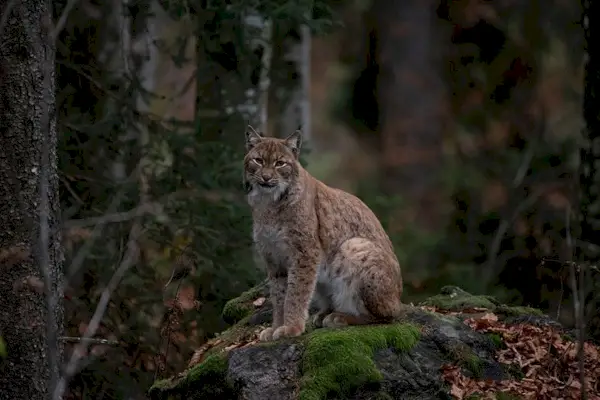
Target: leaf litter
column 548, row 360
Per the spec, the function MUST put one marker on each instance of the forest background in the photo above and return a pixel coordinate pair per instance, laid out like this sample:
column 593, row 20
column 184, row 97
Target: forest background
column 458, row 122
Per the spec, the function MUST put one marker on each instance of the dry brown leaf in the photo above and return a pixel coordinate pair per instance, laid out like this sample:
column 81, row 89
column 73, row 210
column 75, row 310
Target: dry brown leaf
column 259, row 302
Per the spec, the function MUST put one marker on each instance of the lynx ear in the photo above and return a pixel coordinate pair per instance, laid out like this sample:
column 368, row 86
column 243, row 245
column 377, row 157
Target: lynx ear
column 252, row 137
column 294, row 142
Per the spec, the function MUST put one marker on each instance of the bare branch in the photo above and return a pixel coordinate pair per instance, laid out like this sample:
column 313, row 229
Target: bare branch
column 129, row 259
column 60, row 24
column 150, row 208
column 505, row 224
column 70, row 339
column 578, row 300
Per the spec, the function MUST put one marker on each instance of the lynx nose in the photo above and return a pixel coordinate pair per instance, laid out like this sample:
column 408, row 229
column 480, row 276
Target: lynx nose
column 267, row 178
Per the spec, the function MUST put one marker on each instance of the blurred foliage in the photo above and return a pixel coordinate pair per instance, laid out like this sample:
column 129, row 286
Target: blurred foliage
column 514, row 91
column 514, row 81
column 197, row 231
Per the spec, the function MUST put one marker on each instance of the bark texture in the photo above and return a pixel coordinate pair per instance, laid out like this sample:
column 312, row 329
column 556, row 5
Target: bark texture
column 589, row 178
column 590, row 151
column 27, row 136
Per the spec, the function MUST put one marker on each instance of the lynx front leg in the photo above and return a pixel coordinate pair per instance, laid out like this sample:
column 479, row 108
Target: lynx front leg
column 277, row 289
column 302, row 279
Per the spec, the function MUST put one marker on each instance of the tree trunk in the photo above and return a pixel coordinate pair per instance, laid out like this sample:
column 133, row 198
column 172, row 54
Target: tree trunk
column 411, row 100
column 588, row 248
column 291, row 103
column 30, row 261
column 590, row 150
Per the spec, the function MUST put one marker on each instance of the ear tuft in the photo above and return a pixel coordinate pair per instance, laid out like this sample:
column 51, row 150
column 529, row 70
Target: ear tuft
column 294, row 142
column 252, row 137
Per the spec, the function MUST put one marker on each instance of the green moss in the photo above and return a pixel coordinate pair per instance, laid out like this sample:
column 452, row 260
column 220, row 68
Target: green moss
column 2, row 348
column 467, row 359
column 340, row 360
column 205, row 380
column 517, row 311
column 496, row 339
column 453, row 298
column 240, row 307
column 473, row 363
column 215, row 364
column 514, row 371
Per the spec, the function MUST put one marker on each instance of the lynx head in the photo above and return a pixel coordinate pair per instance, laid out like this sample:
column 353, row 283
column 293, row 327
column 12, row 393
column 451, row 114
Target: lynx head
column 271, row 164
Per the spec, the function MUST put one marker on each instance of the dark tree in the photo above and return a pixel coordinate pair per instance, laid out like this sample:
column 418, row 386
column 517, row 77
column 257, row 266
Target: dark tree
column 412, row 103
column 589, row 177
column 30, row 261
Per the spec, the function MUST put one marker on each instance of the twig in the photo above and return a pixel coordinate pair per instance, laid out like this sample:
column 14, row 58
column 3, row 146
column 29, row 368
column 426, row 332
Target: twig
column 96, row 232
column 71, row 191
column 505, row 224
column 577, row 307
column 168, row 333
column 60, row 24
column 150, row 208
column 129, row 260
column 69, row 339
column 522, row 171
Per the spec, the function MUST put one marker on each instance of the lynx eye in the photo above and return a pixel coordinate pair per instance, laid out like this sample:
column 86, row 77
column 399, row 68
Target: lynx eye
column 258, row 161
column 279, row 163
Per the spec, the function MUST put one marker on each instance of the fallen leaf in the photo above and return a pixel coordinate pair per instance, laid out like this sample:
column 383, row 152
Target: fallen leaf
column 259, row 302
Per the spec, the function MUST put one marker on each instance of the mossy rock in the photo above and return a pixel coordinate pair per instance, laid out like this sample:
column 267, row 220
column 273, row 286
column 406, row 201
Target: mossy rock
column 338, row 361
column 324, row 362
column 242, row 306
column 402, row 360
column 213, row 375
column 453, row 298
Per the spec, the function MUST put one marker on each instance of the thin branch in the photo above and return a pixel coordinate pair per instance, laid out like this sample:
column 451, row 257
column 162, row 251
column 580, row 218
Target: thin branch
column 60, row 24
column 129, row 259
column 96, row 232
column 150, row 208
column 69, row 339
column 505, row 224
column 577, row 307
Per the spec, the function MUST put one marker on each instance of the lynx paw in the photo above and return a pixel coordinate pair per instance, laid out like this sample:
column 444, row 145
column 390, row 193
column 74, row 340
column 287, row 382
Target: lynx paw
column 317, row 319
column 288, row 331
column 266, row 335
column 335, row 320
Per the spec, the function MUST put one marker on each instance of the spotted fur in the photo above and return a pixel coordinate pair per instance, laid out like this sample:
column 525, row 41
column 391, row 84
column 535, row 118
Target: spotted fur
column 318, row 243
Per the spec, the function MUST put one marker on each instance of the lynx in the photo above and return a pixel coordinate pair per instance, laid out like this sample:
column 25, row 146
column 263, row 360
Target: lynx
column 319, row 244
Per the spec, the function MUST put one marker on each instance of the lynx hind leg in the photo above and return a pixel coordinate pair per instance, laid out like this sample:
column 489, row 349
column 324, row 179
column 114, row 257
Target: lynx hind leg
column 381, row 297
column 367, row 285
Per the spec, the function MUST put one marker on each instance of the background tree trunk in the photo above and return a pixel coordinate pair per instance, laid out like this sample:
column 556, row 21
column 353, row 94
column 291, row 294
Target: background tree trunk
column 588, row 249
column 28, row 155
column 412, row 103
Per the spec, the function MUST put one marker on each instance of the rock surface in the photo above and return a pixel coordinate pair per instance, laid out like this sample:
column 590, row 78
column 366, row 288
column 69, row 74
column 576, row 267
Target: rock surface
column 398, row 361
